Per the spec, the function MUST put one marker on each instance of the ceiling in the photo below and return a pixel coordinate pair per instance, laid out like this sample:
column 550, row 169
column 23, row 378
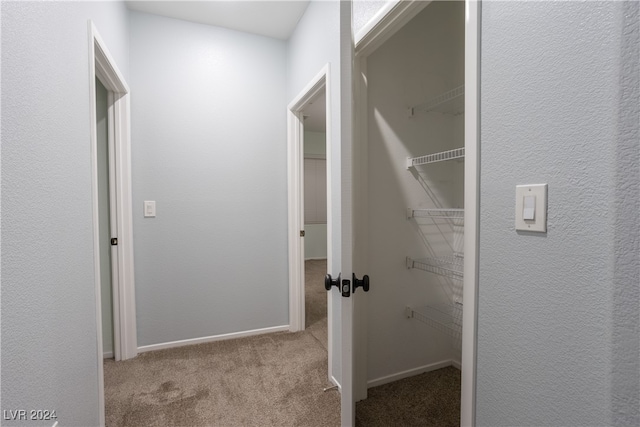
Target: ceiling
column 275, row 19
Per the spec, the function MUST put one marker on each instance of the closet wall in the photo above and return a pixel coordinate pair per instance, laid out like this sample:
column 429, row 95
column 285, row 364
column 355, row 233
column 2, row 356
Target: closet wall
column 423, row 60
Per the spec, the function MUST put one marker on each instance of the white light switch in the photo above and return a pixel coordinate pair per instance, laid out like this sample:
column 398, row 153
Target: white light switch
column 149, row 209
column 529, row 212
column 531, row 207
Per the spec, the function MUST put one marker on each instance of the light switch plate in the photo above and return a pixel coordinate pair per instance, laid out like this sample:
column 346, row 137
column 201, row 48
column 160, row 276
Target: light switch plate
column 149, row 209
column 539, row 221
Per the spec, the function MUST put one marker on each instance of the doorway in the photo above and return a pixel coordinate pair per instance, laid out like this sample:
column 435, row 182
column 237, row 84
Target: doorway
column 416, row 95
column 107, row 229
column 315, row 96
column 103, row 70
column 314, row 198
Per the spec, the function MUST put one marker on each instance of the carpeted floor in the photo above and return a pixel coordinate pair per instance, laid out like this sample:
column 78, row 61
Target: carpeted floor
column 431, row 399
column 266, row 380
column 315, row 296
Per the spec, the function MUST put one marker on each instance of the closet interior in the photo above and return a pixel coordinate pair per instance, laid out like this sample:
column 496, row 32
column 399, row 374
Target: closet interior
column 415, row 178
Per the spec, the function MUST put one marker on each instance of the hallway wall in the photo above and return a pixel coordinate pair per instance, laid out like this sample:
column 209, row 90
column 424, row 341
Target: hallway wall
column 209, row 146
column 49, row 328
column 558, row 326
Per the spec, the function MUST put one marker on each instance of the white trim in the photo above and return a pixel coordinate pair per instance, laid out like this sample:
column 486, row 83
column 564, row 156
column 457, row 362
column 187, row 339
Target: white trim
column 385, row 23
column 361, row 226
column 456, row 364
column 410, row 373
column 96, row 227
column 213, row 338
column 471, row 211
column 295, row 177
column 295, row 158
column 103, row 66
column 107, row 355
column 335, row 382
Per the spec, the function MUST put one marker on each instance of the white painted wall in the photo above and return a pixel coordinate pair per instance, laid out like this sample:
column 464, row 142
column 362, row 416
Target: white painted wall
column 316, row 42
column 104, row 217
column 315, row 238
column 209, row 146
column 422, row 60
column 49, row 330
column 315, row 143
column 558, row 324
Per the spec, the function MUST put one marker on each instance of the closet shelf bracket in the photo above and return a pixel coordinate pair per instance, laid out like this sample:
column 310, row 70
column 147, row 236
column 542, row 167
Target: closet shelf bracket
column 449, row 266
column 435, row 213
column 450, row 102
column 435, row 157
column 445, row 318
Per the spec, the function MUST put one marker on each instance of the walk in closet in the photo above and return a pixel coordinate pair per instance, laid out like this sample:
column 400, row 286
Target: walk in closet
column 415, row 179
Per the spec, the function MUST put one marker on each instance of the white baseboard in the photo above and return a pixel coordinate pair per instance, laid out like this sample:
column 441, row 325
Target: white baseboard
column 213, row 338
column 107, row 355
column 409, row 373
column 315, row 258
column 336, row 383
column 456, row 364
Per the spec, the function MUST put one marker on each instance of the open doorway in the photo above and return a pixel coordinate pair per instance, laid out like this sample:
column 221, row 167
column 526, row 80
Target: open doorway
column 112, row 213
column 106, row 219
column 315, row 215
column 312, row 101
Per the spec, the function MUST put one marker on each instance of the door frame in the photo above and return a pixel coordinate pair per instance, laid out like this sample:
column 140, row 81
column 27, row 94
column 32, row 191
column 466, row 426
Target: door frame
column 389, row 19
column 103, row 66
column 295, row 180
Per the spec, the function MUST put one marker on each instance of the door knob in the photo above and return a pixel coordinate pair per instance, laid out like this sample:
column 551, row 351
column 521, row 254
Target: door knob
column 364, row 283
column 329, row 282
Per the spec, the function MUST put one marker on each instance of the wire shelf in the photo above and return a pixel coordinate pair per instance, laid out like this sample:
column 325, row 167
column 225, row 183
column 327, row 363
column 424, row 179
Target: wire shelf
column 445, row 318
column 435, row 157
column 450, row 102
column 435, row 213
column 449, row 266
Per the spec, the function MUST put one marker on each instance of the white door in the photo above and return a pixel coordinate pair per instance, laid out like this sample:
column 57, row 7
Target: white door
column 341, row 261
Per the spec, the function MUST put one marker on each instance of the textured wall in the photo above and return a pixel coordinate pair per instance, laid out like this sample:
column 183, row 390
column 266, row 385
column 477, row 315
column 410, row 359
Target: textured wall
column 558, row 312
column 49, row 331
column 209, row 146
column 314, row 43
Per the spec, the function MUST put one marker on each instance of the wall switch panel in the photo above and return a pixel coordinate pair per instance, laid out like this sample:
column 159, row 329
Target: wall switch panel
column 531, row 207
column 149, row 209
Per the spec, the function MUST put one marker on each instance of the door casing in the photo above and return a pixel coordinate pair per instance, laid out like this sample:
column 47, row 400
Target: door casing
column 103, row 67
column 295, row 162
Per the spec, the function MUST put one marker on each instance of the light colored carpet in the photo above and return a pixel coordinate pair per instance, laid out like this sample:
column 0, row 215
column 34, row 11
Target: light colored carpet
column 267, row 380
column 316, row 300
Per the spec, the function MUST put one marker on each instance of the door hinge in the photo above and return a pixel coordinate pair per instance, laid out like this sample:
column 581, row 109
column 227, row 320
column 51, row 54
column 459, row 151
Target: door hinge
column 301, row 233
column 114, row 241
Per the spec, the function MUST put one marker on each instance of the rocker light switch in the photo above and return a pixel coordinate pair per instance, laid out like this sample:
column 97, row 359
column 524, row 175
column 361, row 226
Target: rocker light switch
column 531, row 207
column 529, row 212
column 149, row 209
